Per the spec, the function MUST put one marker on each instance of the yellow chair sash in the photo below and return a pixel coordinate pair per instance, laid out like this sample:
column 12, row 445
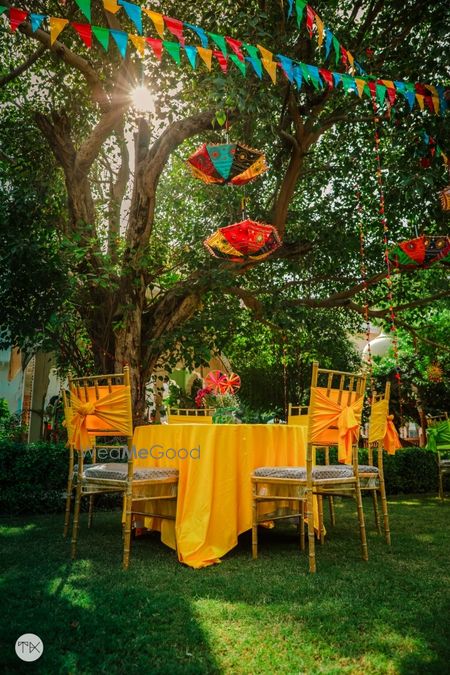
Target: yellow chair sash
column 112, row 409
column 381, row 427
column 327, row 413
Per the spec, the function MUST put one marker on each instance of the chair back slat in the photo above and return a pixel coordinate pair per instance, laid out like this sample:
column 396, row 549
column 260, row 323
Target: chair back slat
column 190, row 415
column 298, row 415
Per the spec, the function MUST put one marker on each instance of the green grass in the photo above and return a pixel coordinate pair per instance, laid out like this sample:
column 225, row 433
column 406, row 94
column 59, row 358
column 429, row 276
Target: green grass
column 242, row 616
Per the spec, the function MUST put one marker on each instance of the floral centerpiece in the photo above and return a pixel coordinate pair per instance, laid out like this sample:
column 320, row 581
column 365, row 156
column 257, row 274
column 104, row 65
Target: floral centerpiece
column 219, row 393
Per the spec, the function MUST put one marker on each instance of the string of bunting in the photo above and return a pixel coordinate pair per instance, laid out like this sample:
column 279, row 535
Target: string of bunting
column 226, row 49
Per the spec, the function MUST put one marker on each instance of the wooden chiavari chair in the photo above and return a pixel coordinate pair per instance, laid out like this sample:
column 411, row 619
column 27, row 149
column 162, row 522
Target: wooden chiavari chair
column 440, row 424
column 190, row 415
column 334, row 419
column 100, row 406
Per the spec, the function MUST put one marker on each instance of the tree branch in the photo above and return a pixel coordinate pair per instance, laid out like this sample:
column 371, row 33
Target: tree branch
column 16, row 72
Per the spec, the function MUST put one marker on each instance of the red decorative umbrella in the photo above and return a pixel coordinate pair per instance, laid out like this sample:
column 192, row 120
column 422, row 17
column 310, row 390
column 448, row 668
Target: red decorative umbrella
column 215, row 380
column 231, row 384
column 227, row 163
column 247, row 240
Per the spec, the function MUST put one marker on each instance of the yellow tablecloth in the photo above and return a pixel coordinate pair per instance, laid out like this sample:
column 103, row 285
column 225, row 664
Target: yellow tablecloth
column 214, row 501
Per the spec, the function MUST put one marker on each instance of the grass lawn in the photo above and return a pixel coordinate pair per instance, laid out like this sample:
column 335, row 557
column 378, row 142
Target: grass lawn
column 242, row 616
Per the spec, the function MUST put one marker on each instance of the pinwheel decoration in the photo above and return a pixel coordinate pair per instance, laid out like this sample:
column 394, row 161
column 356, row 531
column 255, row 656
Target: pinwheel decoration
column 220, row 383
column 243, row 241
column 227, row 163
column 422, row 252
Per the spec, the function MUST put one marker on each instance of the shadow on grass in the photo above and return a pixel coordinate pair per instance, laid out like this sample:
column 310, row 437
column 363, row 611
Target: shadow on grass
column 244, row 616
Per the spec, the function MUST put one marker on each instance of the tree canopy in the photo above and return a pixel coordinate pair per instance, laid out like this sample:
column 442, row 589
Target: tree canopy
column 109, row 224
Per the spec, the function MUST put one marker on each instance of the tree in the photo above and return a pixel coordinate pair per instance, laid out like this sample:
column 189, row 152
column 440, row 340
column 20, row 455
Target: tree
column 139, row 285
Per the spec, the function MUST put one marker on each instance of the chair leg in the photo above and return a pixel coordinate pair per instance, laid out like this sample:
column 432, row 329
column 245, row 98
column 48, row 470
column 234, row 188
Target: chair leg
column 311, row 536
column 362, row 525
column 127, row 531
column 375, row 511
column 441, row 485
column 76, row 518
column 332, row 512
column 321, row 527
column 302, row 525
column 68, row 503
column 384, row 509
column 91, row 510
column 254, row 522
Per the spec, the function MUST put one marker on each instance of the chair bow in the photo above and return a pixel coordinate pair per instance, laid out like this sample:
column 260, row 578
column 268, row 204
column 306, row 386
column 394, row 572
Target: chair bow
column 438, row 436
column 327, row 413
column 391, row 440
column 112, row 409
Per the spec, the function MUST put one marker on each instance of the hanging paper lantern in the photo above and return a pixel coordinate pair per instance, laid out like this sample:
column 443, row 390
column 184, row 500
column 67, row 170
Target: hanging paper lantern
column 227, row 163
column 231, row 384
column 434, row 372
column 421, row 252
column 215, row 380
column 243, row 241
column 445, row 198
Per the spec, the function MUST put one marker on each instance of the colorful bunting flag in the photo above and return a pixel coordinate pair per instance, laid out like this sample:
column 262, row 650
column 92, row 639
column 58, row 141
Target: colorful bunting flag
column 110, row 6
column 328, row 41
column 36, row 21
column 309, row 19
column 287, row 66
column 265, row 53
column 327, row 76
column 157, row 47
column 176, row 28
column 201, row 34
column 206, row 56
column 236, row 47
column 191, row 53
column 173, row 49
column 121, row 40
column 271, row 67
column 219, row 40
column 253, row 51
column 2, row 9
column 102, row 35
column 314, row 76
column 157, row 19
column 360, row 86
column 85, row 8
column 139, row 43
column 320, row 30
column 297, row 72
column 256, row 63
column 84, row 30
column 16, row 17
column 299, row 8
column 56, row 26
column 134, row 13
column 337, row 49
column 291, row 8
column 222, row 60
column 240, row 64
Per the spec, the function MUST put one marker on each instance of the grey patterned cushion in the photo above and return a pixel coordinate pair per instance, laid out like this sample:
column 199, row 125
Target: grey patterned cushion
column 116, row 471
column 366, row 468
column 299, row 472
column 445, row 463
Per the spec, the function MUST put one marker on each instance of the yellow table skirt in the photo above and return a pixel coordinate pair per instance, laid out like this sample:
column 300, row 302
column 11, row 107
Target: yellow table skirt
column 215, row 463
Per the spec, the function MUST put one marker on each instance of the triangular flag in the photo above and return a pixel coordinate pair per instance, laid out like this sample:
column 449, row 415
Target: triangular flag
column 320, row 29
column 291, row 8
column 85, row 7
column 315, row 77
column 372, row 89
column 121, row 40
column 410, row 94
column 139, row 43
column 36, row 21
column 391, row 93
column 328, row 41
column 102, row 35
column 253, row 51
column 349, row 83
column 176, row 28
column 240, row 64
column 265, row 53
column 157, row 47
column 157, row 19
column 16, row 17
column 173, row 49
column 271, row 67
column 299, row 8
column 337, row 49
column 297, row 71
column 223, row 62
column 309, row 19
column 236, row 47
column 134, row 13
column 327, row 76
column 360, row 84
column 84, row 30
column 257, row 67
column 191, row 53
column 3, row 9
column 420, row 100
column 344, row 56
column 219, row 40
column 56, row 26
column 351, row 60
column 337, row 77
column 111, row 6
column 287, row 65
column 206, row 56
column 359, row 68
column 200, row 32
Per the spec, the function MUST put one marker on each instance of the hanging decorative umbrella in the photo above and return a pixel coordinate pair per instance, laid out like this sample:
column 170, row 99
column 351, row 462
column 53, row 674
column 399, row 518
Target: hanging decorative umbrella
column 227, row 163
column 215, row 380
column 445, row 198
column 231, row 384
column 421, row 252
column 243, row 241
